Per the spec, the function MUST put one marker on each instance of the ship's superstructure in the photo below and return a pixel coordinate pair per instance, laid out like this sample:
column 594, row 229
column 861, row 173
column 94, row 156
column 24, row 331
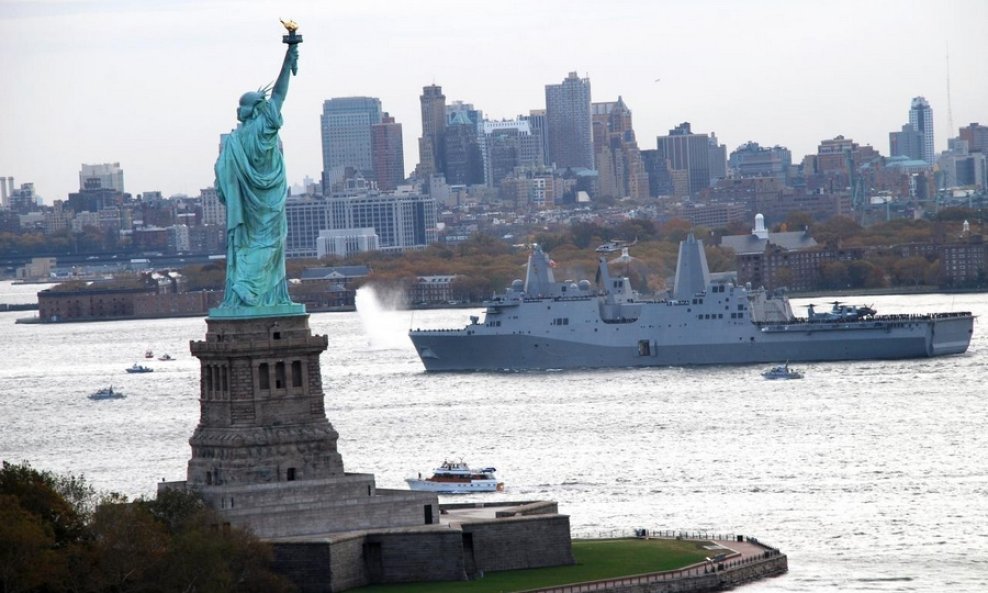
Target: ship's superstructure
column 544, row 324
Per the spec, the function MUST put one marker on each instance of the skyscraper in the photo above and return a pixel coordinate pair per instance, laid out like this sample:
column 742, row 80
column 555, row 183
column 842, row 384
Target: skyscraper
column 921, row 120
column 618, row 160
column 687, row 152
column 388, row 157
column 906, row 142
column 433, row 103
column 346, row 138
column 568, row 123
column 510, row 144
column 536, row 123
column 463, row 157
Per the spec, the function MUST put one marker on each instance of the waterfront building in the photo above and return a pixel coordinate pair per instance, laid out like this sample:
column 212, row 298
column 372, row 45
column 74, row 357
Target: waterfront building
column 432, row 290
column 964, row 263
column 346, row 137
column 777, row 260
column 401, row 220
column 344, row 242
column 921, row 120
column 568, row 123
column 328, row 288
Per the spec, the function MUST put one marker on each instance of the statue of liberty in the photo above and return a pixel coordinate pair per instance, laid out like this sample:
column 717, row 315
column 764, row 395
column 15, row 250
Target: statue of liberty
column 251, row 182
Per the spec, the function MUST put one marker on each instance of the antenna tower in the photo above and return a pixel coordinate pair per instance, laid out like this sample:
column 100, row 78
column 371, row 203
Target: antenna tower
column 950, row 114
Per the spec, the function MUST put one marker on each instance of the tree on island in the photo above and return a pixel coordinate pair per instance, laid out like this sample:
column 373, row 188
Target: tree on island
column 57, row 533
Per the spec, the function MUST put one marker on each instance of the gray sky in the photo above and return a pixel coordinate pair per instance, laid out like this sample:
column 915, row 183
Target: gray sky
column 151, row 84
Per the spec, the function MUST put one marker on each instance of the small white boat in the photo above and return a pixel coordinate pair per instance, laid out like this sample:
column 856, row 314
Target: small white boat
column 782, row 372
column 457, row 478
column 140, row 368
column 165, row 357
column 106, row 393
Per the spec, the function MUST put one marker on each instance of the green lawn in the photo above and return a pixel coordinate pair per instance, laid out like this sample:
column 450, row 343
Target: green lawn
column 595, row 559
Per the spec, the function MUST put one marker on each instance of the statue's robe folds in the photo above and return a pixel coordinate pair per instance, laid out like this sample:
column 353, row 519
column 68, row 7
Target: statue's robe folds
column 250, row 180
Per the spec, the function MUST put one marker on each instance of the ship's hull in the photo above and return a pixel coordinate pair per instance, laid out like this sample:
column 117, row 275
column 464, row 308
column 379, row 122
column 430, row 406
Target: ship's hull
column 648, row 344
column 448, row 487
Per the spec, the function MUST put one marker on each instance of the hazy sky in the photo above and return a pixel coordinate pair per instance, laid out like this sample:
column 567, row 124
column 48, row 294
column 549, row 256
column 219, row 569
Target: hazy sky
column 151, row 84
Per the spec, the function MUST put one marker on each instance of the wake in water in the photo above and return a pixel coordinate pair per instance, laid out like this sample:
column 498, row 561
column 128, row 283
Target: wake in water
column 385, row 325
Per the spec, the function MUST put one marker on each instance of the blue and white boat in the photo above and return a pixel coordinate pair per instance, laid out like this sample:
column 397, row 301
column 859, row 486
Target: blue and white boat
column 456, row 477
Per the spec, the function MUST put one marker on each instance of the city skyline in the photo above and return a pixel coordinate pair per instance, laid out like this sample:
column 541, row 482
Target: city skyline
column 153, row 85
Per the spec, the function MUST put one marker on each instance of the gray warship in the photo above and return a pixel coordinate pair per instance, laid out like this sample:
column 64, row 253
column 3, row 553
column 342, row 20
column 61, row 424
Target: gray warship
column 544, row 324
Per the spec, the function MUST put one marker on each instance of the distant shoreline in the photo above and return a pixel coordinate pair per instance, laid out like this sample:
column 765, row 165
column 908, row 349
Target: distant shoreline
column 884, row 292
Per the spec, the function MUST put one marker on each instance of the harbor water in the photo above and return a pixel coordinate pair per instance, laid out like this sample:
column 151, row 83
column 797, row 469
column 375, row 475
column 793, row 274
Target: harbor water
column 871, row 476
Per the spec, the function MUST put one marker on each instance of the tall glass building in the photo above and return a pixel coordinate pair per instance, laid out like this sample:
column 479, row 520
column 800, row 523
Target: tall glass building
column 921, row 120
column 346, row 137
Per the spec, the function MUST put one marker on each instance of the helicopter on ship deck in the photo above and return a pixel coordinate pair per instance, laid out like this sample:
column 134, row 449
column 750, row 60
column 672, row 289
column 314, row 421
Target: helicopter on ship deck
column 840, row 312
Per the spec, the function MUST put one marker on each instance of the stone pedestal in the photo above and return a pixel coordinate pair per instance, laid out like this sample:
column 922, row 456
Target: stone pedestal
column 262, row 418
column 264, row 454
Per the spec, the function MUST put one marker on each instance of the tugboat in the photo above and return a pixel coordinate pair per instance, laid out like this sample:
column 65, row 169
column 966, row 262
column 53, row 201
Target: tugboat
column 782, row 372
column 457, row 478
column 106, row 393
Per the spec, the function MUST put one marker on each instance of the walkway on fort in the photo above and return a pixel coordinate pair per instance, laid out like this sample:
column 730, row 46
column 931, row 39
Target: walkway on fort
column 745, row 553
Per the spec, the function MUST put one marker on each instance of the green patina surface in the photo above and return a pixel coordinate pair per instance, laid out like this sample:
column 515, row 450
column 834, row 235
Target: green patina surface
column 595, row 560
column 251, row 183
column 236, row 312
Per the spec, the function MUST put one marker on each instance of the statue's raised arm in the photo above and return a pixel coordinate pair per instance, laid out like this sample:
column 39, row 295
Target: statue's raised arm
column 288, row 68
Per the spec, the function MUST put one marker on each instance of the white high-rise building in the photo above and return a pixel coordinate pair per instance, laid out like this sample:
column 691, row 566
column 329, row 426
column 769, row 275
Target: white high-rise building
column 213, row 211
column 921, row 120
column 103, row 176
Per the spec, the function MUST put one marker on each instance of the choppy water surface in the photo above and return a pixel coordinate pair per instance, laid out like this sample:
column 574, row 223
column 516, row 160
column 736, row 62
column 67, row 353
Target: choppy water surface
column 870, row 475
